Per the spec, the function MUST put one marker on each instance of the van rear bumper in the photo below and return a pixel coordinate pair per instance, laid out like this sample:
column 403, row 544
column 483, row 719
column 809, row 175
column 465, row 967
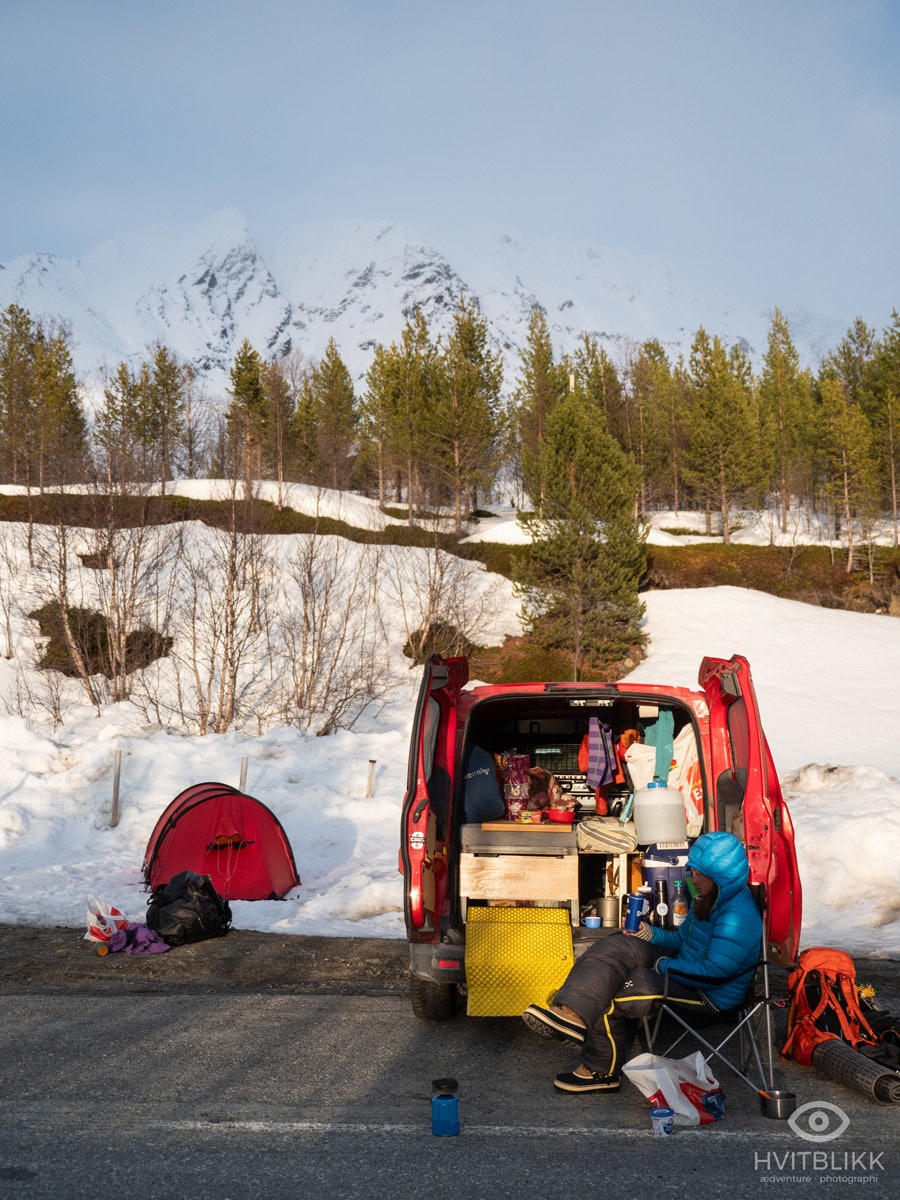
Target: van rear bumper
column 440, row 962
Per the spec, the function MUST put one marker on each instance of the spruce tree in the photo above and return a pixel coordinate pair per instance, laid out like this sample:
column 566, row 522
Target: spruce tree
column 246, row 418
column 657, row 417
column 164, row 419
column 403, row 387
column 886, row 415
column 17, row 336
column 331, row 417
column 785, row 393
column 598, row 380
column 279, row 414
column 722, row 464
column 580, row 576
column 375, row 447
column 62, row 432
column 542, row 385
column 846, row 448
column 120, row 429
column 466, row 423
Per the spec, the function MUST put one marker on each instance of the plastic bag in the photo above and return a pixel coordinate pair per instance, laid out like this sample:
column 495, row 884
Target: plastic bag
column 102, row 920
column 641, row 763
column 684, row 1084
column 685, row 776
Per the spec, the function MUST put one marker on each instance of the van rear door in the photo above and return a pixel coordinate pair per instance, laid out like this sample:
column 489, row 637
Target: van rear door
column 427, row 814
column 746, row 788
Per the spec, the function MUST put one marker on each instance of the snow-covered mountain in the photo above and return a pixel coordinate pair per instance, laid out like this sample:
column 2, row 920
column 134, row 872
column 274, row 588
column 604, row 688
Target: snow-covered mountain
column 201, row 290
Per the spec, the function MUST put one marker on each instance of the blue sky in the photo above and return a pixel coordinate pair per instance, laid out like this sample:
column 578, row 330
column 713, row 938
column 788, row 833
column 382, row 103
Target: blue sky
column 755, row 146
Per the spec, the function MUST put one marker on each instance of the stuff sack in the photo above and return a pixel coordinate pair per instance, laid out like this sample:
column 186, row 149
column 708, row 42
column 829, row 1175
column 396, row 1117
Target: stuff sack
column 482, row 795
column 188, row 909
column 824, row 1005
column 684, row 1084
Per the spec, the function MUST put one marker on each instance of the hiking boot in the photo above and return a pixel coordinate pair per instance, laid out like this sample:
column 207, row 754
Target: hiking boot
column 547, row 1023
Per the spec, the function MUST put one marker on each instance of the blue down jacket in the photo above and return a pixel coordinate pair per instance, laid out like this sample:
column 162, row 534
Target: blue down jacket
column 726, row 947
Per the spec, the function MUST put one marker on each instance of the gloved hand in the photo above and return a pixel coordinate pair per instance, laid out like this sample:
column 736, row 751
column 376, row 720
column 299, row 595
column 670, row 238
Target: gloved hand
column 643, row 931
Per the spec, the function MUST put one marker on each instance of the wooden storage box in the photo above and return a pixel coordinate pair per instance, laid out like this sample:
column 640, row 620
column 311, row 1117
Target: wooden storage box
column 505, row 861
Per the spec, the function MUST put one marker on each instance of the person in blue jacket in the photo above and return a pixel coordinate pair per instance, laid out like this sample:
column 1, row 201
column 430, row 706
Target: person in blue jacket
column 710, row 962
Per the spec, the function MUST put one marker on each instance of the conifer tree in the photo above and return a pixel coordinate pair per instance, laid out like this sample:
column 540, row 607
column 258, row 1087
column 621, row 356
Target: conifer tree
column 403, row 388
column 467, row 422
column 655, row 406
column 542, row 385
column 120, row 428
column 846, row 443
column 598, row 380
column 376, row 450
column 247, row 415
column 786, row 401
column 42, row 422
column 722, row 444
column 580, row 578
column 279, row 413
column 330, row 417
column 62, row 436
column 164, row 418
column 886, row 415
column 16, row 390
column 853, row 363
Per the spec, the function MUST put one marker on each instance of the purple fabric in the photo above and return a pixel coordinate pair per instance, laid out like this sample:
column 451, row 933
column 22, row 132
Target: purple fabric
column 601, row 754
column 137, row 939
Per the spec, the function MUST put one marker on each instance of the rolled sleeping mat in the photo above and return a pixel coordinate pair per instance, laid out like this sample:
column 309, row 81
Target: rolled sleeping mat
column 840, row 1062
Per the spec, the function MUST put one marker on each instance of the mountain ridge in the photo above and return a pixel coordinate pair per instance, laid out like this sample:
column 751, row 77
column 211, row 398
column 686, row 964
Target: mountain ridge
column 201, row 289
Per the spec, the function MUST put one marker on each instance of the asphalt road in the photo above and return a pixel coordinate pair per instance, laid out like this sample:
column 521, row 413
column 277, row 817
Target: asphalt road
column 236, row 1095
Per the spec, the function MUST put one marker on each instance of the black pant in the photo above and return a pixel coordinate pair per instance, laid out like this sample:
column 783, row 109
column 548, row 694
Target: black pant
column 611, row 987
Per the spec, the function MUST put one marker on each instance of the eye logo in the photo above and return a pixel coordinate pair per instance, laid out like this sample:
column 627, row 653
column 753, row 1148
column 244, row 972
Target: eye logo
column 818, row 1116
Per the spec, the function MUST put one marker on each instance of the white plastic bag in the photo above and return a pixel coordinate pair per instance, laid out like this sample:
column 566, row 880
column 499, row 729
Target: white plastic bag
column 685, row 775
column 102, row 920
column 641, row 762
column 684, row 1084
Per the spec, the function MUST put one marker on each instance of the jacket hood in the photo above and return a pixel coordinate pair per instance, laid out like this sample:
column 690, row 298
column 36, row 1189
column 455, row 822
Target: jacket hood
column 722, row 857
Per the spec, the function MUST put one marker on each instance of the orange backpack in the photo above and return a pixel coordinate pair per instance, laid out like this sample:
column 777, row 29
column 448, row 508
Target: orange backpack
column 824, row 1005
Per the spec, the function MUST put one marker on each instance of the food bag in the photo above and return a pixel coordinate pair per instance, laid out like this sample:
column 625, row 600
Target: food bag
column 684, row 1084
column 102, row 920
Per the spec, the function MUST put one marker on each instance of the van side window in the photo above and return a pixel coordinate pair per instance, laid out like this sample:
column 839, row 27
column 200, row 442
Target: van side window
column 429, row 734
column 730, row 792
column 438, row 781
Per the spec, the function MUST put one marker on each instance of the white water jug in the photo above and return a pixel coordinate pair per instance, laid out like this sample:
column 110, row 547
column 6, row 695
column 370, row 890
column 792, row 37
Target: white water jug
column 659, row 814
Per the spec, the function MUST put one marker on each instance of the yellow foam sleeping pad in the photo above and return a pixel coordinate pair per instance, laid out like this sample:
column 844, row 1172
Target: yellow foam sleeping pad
column 515, row 957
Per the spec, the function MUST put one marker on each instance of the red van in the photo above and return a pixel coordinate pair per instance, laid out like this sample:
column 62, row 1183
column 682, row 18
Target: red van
column 734, row 788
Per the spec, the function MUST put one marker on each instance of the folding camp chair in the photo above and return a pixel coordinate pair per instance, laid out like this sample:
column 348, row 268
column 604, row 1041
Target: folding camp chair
column 745, row 1021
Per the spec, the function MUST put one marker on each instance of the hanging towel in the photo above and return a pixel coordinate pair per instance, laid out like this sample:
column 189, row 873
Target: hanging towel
column 601, row 754
column 660, row 733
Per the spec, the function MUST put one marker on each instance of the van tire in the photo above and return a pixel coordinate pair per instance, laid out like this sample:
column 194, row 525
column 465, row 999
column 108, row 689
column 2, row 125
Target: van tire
column 432, row 1001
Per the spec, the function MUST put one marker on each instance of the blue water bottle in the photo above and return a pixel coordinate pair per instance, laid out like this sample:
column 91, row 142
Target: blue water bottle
column 445, row 1108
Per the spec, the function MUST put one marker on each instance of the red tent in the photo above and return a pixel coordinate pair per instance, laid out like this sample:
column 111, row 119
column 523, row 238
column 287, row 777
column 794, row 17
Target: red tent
column 217, row 831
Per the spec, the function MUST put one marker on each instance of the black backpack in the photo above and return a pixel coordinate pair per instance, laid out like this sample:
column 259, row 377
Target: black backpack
column 188, row 909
